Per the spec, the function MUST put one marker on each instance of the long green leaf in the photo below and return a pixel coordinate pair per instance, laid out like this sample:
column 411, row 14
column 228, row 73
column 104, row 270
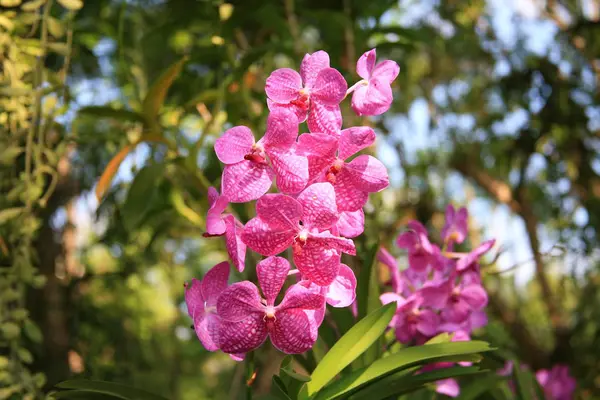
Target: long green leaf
column 158, row 91
column 476, row 388
column 524, row 384
column 10, row 213
column 83, row 395
column 403, row 359
column 109, row 388
column 278, row 388
column 350, row 346
column 142, row 190
column 402, row 383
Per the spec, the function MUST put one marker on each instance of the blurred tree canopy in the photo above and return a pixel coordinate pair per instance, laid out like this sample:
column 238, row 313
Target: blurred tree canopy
column 496, row 107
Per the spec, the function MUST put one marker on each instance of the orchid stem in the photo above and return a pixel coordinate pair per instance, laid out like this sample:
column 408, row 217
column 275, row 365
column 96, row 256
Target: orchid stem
column 250, row 374
column 358, row 84
column 293, row 272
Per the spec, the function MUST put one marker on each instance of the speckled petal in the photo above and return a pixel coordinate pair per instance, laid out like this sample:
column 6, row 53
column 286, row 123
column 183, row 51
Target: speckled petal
column 233, row 241
column 324, row 119
column 282, row 129
column 207, row 329
column 298, row 296
column 318, row 204
column 243, row 336
column 214, row 282
column 234, row 144
column 311, row 65
column 353, row 140
column 329, row 87
column 317, row 263
column 300, row 112
column 347, row 196
column 194, row 299
column 291, row 170
column 283, row 85
column 342, row 291
column 238, row 301
column 246, row 181
column 351, row 223
column 368, row 173
column 366, row 63
column 339, row 243
column 291, row 332
column 279, row 211
column 319, row 149
column 272, row 273
column 263, row 239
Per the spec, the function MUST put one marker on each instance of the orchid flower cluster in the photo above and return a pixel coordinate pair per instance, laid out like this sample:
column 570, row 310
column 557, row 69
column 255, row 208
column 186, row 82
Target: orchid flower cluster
column 315, row 214
column 557, row 382
column 440, row 291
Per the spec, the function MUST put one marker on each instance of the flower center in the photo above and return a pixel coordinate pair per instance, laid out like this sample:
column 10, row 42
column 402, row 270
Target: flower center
column 270, row 312
column 256, row 154
column 303, row 100
column 209, row 309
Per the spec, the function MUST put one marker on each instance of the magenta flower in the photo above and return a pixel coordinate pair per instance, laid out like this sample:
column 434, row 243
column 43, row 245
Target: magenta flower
column 471, row 260
column 247, row 174
column 317, row 92
column 354, row 180
column 233, row 242
column 303, row 223
column 201, row 300
column 455, row 229
column 557, row 383
column 215, row 225
column 248, row 318
column 342, row 291
column 412, row 321
column 421, row 253
column 373, row 94
column 351, row 223
column 456, row 301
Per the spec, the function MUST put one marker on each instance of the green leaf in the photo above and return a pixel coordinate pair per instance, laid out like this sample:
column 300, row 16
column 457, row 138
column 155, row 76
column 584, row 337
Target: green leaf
column 83, row 395
column 405, row 382
column 109, row 388
column 139, row 199
column 9, row 213
column 524, row 384
column 476, row 388
column 32, row 5
column 55, row 27
column 156, row 95
column 110, row 112
column 403, row 359
column 32, row 331
column 278, row 388
column 60, row 48
column 350, row 346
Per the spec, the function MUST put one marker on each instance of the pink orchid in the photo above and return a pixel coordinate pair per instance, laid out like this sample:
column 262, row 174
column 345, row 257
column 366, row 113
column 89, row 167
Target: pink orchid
column 455, row 230
column 342, row 291
column 317, row 90
column 303, row 223
column 233, row 242
column 248, row 318
column 557, row 383
column 421, row 253
column 373, row 94
column 471, row 260
column 414, row 322
column 247, row 174
column 351, row 223
column 456, row 301
column 354, row 180
column 215, row 225
column 201, row 300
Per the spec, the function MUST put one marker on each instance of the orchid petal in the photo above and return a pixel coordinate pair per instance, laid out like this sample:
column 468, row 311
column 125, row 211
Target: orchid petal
column 194, row 299
column 311, row 65
column 318, row 205
column 366, row 63
column 238, row 301
column 236, row 248
column 368, row 173
column 246, row 181
column 283, row 85
column 282, row 129
column 272, row 273
column 215, row 282
column 263, row 239
column 319, row 264
column 290, row 169
column 234, row 144
column 319, row 149
column 291, row 332
column 329, row 87
column 324, row 119
column 351, row 223
column 347, row 196
column 279, row 211
column 372, row 99
column 244, row 335
column 386, row 71
column 342, row 291
column 207, row 329
column 353, row 140
column 298, row 296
